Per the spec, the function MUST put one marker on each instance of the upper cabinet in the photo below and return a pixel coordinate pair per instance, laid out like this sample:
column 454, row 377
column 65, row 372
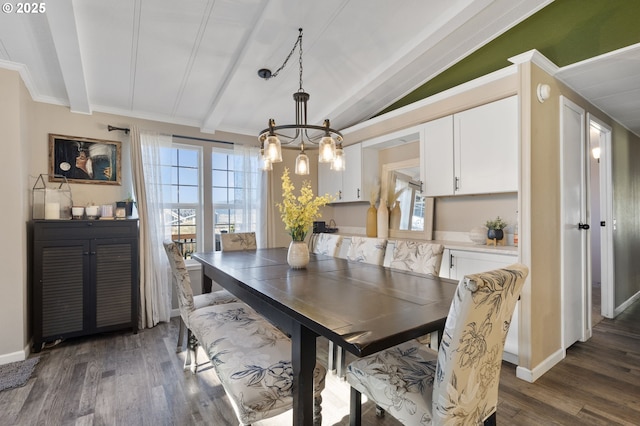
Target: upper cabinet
column 472, row 152
column 355, row 182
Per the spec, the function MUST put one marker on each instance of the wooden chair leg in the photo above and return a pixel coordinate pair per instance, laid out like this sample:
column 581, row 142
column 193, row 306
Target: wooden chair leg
column 491, row 420
column 317, row 410
column 340, row 363
column 355, row 409
column 192, row 350
column 180, row 334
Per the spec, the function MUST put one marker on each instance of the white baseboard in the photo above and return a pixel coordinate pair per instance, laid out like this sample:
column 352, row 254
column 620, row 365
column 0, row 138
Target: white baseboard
column 537, row 372
column 175, row 313
column 14, row 356
column 620, row 309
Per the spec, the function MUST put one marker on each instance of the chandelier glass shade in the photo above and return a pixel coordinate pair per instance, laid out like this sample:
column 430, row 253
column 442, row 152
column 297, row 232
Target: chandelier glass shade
column 275, row 137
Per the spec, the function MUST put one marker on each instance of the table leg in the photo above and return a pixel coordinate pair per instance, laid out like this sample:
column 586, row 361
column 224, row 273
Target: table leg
column 303, row 360
column 207, row 283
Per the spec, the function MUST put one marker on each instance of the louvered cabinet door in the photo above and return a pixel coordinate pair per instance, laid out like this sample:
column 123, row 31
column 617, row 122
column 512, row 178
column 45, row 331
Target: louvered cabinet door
column 59, row 290
column 114, row 265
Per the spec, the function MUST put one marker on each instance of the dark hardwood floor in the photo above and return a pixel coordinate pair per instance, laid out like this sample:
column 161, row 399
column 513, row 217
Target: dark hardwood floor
column 126, row 379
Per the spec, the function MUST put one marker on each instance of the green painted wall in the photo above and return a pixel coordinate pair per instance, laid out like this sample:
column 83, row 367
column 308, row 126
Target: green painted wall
column 566, row 32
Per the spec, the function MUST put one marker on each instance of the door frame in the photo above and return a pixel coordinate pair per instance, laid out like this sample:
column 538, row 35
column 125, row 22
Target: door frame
column 607, row 279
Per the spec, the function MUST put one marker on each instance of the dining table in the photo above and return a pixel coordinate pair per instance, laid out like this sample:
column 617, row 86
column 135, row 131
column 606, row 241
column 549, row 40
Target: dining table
column 361, row 307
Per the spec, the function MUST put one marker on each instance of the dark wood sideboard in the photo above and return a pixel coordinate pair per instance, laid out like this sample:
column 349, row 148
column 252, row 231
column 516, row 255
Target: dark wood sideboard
column 84, row 278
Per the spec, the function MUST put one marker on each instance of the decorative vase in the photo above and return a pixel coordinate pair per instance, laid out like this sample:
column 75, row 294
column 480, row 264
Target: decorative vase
column 395, row 216
column 478, row 235
column 298, row 255
column 495, row 234
column 372, row 222
column 383, row 219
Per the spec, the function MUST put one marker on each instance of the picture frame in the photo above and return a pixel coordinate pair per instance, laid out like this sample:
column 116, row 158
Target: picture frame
column 84, row 160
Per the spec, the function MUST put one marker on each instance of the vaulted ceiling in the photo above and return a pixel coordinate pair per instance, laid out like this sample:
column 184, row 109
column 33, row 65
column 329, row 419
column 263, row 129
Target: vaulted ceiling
column 195, row 62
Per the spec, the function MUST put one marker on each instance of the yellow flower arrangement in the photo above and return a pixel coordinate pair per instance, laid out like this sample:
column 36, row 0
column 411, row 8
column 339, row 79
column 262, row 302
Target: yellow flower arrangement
column 298, row 213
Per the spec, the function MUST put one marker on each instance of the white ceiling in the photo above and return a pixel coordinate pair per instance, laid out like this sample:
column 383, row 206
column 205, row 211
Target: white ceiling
column 195, row 62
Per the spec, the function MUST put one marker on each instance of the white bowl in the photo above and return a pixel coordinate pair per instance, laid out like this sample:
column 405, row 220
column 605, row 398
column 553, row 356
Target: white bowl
column 91, row 211
column 478, row 235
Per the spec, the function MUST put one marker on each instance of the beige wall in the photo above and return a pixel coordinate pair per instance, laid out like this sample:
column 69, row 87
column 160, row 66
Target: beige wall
column 24, row 138
column 13, row 167
column 539, row 238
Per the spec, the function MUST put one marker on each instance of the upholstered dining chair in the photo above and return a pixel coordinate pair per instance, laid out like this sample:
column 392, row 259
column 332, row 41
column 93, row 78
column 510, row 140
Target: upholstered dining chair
column 238, row 241
column 327, row 244
column 187, row 302
column 422, row 257
column 459, row 383
column 367, row 250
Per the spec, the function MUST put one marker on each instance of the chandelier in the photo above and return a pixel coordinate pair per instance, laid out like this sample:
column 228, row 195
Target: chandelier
column 272, row 139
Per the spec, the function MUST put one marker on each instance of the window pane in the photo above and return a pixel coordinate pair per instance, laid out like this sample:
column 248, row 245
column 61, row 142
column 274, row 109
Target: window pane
column 166, row 175
column 219, row 161
column 187, row 176
column 220, row 195
column 168, row 156
column 189, row 194
column 188, row 158
column 219, row 177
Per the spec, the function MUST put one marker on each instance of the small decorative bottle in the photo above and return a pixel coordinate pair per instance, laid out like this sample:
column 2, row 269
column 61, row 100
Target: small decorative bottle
column 372, row 221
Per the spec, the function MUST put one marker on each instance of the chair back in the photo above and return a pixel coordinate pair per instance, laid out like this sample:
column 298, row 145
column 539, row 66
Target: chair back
column 417, row 256
column 327, row 244
column 182, row 280
column 238, row 241
column 367, row 250
column 470, row 354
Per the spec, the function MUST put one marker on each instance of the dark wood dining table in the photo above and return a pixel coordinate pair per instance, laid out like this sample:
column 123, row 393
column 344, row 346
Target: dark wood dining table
column 360, row 307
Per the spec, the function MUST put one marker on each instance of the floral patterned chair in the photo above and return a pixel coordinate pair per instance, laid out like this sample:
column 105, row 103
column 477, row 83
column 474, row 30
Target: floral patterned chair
column 238, row 241
column 459, row 384
column 367, row 250
column 414, row 256
column 187, row 302
column 252, row 359
column 327, row 244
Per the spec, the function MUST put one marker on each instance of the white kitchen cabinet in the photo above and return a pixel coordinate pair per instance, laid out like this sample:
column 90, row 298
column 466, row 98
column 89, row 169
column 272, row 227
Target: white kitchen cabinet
column 473, row 151
column 458, row 263
column 355, row 182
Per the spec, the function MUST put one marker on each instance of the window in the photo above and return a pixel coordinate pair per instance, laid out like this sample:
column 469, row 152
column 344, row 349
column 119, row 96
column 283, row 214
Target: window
column 234, row 192
column 181, row 191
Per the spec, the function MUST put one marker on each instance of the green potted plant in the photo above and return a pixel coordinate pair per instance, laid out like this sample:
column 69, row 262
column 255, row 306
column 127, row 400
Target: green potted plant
column 495, row 228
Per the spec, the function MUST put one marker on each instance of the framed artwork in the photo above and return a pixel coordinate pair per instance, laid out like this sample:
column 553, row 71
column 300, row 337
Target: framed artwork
column 84, row 160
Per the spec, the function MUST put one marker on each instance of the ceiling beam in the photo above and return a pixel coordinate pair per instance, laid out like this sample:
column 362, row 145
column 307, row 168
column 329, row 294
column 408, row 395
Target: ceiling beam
column 64, row 34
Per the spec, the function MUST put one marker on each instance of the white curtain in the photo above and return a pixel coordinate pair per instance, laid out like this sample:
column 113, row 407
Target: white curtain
column 249, row 209
column 155, row 290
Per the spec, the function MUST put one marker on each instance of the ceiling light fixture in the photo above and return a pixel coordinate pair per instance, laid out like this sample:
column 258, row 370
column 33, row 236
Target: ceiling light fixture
column 272, row 139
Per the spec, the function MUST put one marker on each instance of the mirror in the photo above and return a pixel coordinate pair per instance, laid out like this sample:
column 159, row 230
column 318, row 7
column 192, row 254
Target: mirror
column 411, row 214
column 406, row 186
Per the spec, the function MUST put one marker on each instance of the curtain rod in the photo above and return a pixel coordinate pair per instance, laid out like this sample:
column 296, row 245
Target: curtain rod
column 126, row 132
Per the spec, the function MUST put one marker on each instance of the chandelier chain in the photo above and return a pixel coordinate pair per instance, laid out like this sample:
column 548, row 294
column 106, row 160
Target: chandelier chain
column 284, row 64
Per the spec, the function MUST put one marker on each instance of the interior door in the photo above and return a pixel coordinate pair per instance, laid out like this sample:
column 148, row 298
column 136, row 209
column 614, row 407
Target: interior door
column 574, row 228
